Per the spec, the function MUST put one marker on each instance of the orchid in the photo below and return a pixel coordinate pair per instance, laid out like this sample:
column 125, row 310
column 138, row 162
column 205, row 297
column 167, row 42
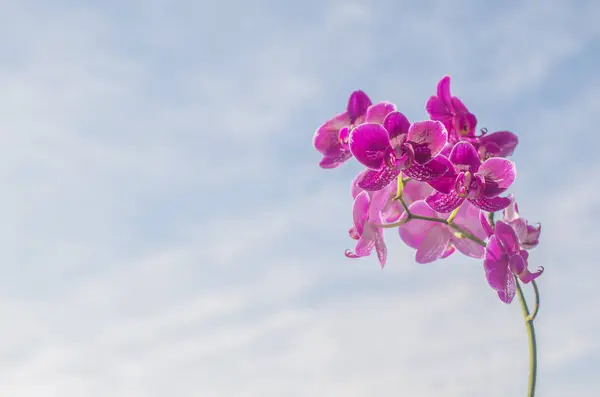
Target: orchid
column 395, row 146
column 331, row 138
column 479, row 183
column 365, row 229
column 451, row 111
column 503, row 258
column 440, row 185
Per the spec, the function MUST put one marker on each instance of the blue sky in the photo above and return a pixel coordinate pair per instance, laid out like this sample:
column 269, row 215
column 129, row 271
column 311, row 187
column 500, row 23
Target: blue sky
column 167, row 231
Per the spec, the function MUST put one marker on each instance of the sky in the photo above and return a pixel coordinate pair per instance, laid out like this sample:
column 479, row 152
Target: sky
column 166, row 229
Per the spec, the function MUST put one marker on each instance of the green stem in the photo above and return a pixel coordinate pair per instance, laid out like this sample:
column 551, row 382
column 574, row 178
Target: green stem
column 536, row 306
column 467, row 234
column 529, row 317
column 531, row 337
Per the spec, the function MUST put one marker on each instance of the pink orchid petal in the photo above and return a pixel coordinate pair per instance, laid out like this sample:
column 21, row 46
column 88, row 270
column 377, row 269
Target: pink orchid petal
column 354, row 188
column 369, row 143
column 413, row 232
column 438, row 111
column 507, row 237
column 443, row 91
column 326, row 138
column 511, row 212
column 491, row 204
column 465, row 157
column 526, row 276
column 396, row 124
column 360, row 210
column 494, row 264
column 499, row 174
column 449, row 250
column 380, row 247
column 415, row 191
column 428, row 138
column 377, row 113
column 485, row 224
column 433, row 245
column 517, row 264
column 444, row 203
column 508, row 292
column 431, row 171
column 468, row 247
column 358, row 104
column 504, row 141
column 445, row 183
column 335, row 160
column 377, row 180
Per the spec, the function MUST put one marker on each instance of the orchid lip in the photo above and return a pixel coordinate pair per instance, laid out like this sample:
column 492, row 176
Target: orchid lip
column 469, row 185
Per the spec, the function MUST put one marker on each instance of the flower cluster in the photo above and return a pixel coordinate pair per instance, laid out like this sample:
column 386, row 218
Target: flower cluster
column 436, row 181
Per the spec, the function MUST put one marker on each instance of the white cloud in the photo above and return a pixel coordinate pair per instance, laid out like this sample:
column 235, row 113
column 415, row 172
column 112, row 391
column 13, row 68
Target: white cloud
column 156, row 242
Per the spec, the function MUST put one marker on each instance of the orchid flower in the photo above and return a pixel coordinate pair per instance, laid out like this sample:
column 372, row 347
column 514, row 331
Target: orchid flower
column 479, row 183
column 397, row 146
column 504, row 257
column 331, row 138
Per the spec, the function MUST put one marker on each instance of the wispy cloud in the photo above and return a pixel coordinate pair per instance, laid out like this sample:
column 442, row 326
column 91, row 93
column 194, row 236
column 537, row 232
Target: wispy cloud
column 167, row 230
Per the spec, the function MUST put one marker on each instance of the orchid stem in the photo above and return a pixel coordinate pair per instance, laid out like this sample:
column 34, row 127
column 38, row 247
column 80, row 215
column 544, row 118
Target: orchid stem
column 531, row 335
column 467, row 234
column 536, row 306
column 529, row 317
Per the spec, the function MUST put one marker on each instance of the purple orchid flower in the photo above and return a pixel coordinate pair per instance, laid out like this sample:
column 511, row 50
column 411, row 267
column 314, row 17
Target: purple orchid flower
column 331, row 138
column 366, row 229
column 395, row 146
column 434, row 240
column 471, row 180
column 451, row 112
column 505, row 258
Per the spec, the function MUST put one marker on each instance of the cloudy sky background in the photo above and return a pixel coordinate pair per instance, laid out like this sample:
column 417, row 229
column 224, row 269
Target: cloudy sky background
column 166, row 230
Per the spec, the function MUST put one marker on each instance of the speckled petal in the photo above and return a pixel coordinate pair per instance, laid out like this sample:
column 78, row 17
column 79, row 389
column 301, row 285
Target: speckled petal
column 444, row 203
column 335, row 160
column 369, row 143
column 491, row 204
column 377, row 180
column 465, row 157
column 426, row 172
column 509, row 291
column 499, row 174
column 428, row 138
